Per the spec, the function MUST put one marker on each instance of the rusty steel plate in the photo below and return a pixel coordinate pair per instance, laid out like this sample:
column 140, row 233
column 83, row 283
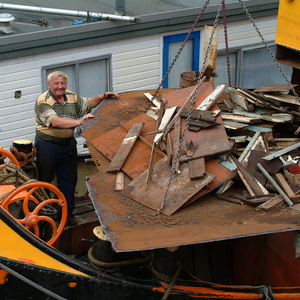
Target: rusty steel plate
column 180, row 191
column 132, row 226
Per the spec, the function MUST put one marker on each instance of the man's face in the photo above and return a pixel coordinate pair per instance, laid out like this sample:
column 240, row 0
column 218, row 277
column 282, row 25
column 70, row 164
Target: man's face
column 58, row 86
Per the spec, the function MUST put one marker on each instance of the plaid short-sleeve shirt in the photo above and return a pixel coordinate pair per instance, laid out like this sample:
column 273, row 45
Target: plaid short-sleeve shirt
column 47, row 108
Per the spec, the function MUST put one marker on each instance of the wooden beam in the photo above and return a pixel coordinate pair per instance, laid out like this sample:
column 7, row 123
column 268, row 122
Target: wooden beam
column 197, row 168
column 211, row 99
column 281, row 152
column 142, row 139
column 120, row 181
column 276, row 186
column 127, row 144
column 169, row 112
column 277, row 200
column 176, row 142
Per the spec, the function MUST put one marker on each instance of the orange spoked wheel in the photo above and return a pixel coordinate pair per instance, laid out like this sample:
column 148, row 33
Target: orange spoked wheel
column 32, row 217
column 10, row 156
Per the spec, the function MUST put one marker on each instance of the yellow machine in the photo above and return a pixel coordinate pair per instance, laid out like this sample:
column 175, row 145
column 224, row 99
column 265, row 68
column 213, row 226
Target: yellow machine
column 288, row 24
column 288, row 38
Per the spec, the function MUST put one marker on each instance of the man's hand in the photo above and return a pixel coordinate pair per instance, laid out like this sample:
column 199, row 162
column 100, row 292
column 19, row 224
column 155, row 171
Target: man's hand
column 87, row 116
column 110, row 95
column 95, row 101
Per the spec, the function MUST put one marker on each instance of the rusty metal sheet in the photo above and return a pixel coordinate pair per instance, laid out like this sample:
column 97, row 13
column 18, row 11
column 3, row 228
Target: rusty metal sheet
column 210, row 141
column 181, row 187
column 132, row 226
column 138, row 160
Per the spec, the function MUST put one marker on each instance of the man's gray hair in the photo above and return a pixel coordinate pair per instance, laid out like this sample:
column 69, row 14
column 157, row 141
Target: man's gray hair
column 55, row 74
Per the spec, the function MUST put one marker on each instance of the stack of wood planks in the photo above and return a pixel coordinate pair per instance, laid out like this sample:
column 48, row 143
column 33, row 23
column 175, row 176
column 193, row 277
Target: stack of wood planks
column 261, row 126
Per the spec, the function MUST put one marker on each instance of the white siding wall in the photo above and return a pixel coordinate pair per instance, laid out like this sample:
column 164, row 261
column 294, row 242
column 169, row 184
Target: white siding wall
column 242, row 34
column 136, row 65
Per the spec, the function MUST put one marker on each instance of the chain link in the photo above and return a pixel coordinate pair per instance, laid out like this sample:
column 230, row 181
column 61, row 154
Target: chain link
column 177, row 55
column 190, row 112
column 226, row 42
column 269, row 49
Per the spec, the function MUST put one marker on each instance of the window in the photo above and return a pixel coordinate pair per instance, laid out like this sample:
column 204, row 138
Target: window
column 251, row 68
column 187, row 61
column 87, row 78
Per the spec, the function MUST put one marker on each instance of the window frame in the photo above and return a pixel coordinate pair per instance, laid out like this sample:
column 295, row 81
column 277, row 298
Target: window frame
column 77, row 63
column 195, row 36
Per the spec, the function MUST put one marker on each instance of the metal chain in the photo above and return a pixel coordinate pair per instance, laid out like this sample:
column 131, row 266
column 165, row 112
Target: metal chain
column 177, row 55
column 269, row 49
column 226, row 42
column 190, row 112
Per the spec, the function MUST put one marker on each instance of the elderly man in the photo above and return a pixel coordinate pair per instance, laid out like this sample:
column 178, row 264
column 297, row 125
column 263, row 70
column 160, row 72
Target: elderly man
column 58, row 111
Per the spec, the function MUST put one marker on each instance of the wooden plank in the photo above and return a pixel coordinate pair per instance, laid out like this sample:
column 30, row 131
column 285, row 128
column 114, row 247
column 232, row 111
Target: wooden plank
column 276, row 118
column 290, row 99
column 234, row 125
column 276, row 186
column 154, row 101
column 203, row 124
column 212, row 98
column 285, row 186
column 150, row 168
column 169, row 112
column 277, row 200
column 180, row 191
column 120, row 181
column 238, row 139
column 241, row 119
column 152, row 114
column 254, row 100
column 240, row 99
column 127, row 144
column 197, row 168
column 274, row 88
column 212, row 53
column 176, row 142
column 281, row 152
column 249, row 180
column 142, row 139
column 169, row 149
column 198, row 114
column 256, row 140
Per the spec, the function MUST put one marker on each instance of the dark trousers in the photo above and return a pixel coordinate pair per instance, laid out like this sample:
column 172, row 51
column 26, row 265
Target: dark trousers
column 62, row 160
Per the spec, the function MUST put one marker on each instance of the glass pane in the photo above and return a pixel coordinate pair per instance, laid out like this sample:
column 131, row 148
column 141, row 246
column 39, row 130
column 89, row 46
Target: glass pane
column 184, row 62
column 70, row 72
column 259, row 68
column 93, row 78
column 221, row 69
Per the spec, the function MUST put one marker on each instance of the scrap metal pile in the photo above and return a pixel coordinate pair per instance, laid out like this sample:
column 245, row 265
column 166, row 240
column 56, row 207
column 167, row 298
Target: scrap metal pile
column 138, row 204
column 175, row 154
column 261, row 127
